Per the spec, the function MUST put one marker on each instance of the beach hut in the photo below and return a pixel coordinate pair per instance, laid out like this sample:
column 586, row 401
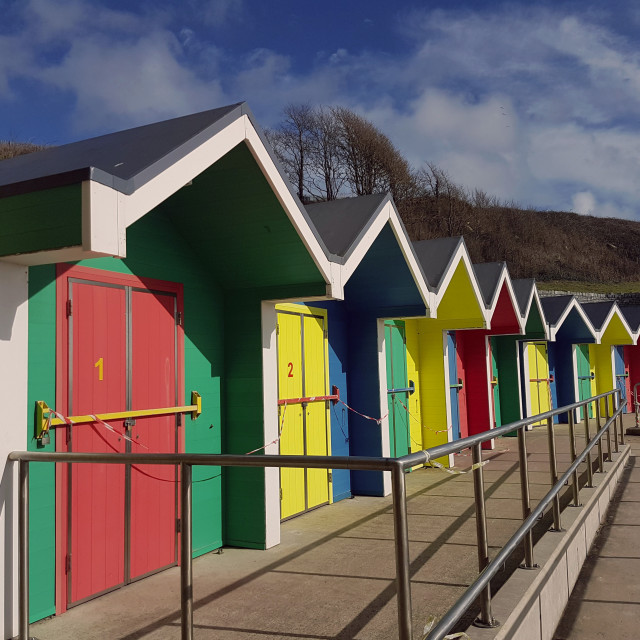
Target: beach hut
column 365, row 362
column 631, row 314
column 510, row 351
column 479, row 362
column 434, row 352
column 137, row 268
column 607, row 356
column 570, row 334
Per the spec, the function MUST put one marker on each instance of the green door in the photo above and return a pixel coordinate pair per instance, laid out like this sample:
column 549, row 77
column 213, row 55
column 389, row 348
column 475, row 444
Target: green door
column 494, row 385
column 584, row 376
column 397, row 394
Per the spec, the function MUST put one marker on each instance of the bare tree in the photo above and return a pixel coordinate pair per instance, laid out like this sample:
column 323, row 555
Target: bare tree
column 291, row 142
column 372, row 163
column 327, row 174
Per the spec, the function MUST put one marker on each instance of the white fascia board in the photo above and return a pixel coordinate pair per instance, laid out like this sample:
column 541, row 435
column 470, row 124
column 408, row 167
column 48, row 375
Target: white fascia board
column 132, row 207
column 181, row 172
column 505, row 280
column 363, row 244
column 553, row 329
column 615, row 310
column 427, row 295
column 462, row 254
column 585, row 319
column 607, row 320
column 103, row 228
column 536, row 297
column 388, row 213
column 330, row 271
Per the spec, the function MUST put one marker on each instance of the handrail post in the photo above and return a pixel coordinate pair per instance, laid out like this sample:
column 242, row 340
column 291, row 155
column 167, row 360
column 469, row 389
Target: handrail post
column 587, row 436
column 553, row 469
column 600, row 455
column 401, row 530
column 606, row 419
column 621, row 425
column 23, row 550
column 186, row 552
column 529, row 562
column 486, row 618
column 572, row 447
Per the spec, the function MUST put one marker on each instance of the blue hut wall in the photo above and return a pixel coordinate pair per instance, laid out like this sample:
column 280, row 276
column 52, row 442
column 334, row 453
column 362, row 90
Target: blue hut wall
column 337, row 320
column 573, row 331
column 382, row 286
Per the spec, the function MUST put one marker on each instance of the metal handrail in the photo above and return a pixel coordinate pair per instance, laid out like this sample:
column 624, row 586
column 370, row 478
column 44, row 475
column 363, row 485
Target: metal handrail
column 454, row 614
column 397, row 467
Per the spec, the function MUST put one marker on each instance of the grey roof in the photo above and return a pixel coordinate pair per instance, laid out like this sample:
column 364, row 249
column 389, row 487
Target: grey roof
column 597, row 312
column 488, row 275
column 522, row 288
column 341, row 222
column 124, row 160
column 554, row 307
column 631, row 314
column 435, row 257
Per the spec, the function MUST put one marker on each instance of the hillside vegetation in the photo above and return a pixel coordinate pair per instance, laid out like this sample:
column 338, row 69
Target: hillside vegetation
column 557, row 246
column 331, row 152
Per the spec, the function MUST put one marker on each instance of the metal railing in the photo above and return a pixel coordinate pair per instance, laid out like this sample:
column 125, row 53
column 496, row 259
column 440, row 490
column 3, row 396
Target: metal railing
column 397, row 467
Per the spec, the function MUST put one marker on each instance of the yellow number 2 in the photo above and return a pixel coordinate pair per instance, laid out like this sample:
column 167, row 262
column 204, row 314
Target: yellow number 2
column 100, row 365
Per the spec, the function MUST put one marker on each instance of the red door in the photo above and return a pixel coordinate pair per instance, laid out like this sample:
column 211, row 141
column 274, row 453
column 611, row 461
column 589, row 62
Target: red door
column 97, row 364
column 153, row 384
column 122, row 355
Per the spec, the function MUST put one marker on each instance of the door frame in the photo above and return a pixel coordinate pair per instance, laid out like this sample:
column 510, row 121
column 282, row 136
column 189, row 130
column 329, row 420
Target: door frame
column 317, row 312
column 64, row 272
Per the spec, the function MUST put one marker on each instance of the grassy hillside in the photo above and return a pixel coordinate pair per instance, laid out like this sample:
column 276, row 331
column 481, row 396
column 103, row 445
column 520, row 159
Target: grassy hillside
column 551, row 246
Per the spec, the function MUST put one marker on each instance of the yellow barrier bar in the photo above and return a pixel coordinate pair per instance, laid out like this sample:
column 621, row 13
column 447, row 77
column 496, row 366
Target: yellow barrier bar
column 43, row 422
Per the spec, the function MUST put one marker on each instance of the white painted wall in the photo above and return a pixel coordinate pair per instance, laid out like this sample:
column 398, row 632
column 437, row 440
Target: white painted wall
column 271, row 424
column 13, row 435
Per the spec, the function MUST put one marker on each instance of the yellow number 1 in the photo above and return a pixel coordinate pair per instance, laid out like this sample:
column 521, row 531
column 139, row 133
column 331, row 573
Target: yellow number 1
column 100, row 365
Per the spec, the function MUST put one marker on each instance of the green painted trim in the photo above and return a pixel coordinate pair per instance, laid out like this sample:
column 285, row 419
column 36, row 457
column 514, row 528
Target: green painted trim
column 42, row 220
column 41, row 385
column 156, row 250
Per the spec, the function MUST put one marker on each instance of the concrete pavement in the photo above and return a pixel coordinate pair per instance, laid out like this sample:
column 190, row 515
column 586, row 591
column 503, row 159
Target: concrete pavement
column 332, row 577
column 605, row 602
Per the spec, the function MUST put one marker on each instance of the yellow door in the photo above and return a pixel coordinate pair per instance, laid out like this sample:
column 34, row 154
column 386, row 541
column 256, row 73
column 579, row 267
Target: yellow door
column 539, row 389
column 315, row 417
column 302, row 373
column 292, row 494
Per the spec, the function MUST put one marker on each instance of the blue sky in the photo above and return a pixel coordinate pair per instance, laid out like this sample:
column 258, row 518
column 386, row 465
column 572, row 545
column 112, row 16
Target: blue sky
column 536, row 102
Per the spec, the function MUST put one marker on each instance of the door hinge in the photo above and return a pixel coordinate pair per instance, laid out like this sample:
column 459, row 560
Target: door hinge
column 178, row 419
column 325, row 333
column 69, row 308
column 179, row 318
column 67, row 564
column 277, row 329
column 280, row 493
column 330, row 476
column 178, row 525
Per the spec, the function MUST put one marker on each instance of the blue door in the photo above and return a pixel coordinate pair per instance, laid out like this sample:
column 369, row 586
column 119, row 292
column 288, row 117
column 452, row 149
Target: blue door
column 454, row 385
column 621, row 374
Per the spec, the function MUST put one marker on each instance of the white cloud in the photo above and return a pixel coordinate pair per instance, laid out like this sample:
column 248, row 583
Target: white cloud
column 531, row 104
column 585, row 202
